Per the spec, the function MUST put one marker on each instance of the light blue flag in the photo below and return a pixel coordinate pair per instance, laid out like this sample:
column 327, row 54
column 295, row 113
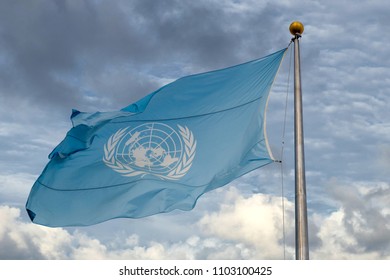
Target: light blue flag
column 160, row 153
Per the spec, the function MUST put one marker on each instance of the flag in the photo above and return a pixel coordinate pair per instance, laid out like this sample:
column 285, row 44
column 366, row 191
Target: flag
column 161, row 153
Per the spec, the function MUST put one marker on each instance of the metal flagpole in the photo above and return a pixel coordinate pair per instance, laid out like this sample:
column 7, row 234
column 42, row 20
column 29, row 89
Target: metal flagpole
column 301, row 231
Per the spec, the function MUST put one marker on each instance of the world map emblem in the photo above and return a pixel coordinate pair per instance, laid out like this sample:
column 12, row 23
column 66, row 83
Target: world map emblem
column 151, row 149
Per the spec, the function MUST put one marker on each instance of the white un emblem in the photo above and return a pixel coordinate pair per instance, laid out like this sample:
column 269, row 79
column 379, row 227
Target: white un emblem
column 151, row 148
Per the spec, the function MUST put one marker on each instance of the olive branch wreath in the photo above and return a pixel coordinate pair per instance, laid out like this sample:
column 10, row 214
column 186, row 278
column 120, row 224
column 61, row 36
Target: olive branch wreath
column 182, row 168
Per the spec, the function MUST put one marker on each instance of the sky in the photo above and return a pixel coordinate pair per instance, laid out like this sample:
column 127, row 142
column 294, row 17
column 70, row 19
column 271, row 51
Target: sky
column 103, row 55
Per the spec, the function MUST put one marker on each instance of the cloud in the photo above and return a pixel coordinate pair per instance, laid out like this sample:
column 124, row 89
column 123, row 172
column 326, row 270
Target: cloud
column 241, row 227
column 99, row 56
column 21, row 240
column 359, row 229
column 26, row 241
column 255, row 222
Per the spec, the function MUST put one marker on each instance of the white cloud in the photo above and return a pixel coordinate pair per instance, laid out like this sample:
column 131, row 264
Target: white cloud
column 21, row 240
column 255, row 222
column 241, row 227
column 360, row 228
column 338, row 242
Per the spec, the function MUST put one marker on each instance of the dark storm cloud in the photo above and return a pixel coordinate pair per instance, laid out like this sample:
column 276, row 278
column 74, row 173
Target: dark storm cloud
column 48, row 48
column 210, row 33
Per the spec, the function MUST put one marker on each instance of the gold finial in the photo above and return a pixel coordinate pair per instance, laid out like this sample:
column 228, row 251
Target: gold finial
column 296, row 28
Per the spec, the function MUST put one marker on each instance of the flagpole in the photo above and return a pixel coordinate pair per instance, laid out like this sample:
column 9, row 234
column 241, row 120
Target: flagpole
column 301, row 230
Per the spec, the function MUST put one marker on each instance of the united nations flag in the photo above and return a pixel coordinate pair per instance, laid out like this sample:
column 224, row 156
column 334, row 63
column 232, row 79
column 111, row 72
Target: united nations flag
column 160, row 153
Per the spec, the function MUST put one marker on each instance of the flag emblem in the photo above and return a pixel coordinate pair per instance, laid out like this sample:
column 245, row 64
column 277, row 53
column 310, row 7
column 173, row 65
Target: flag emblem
column 154, row 149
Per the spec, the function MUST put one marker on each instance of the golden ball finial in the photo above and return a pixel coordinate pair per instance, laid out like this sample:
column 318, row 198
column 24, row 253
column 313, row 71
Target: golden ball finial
column 296, row 28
